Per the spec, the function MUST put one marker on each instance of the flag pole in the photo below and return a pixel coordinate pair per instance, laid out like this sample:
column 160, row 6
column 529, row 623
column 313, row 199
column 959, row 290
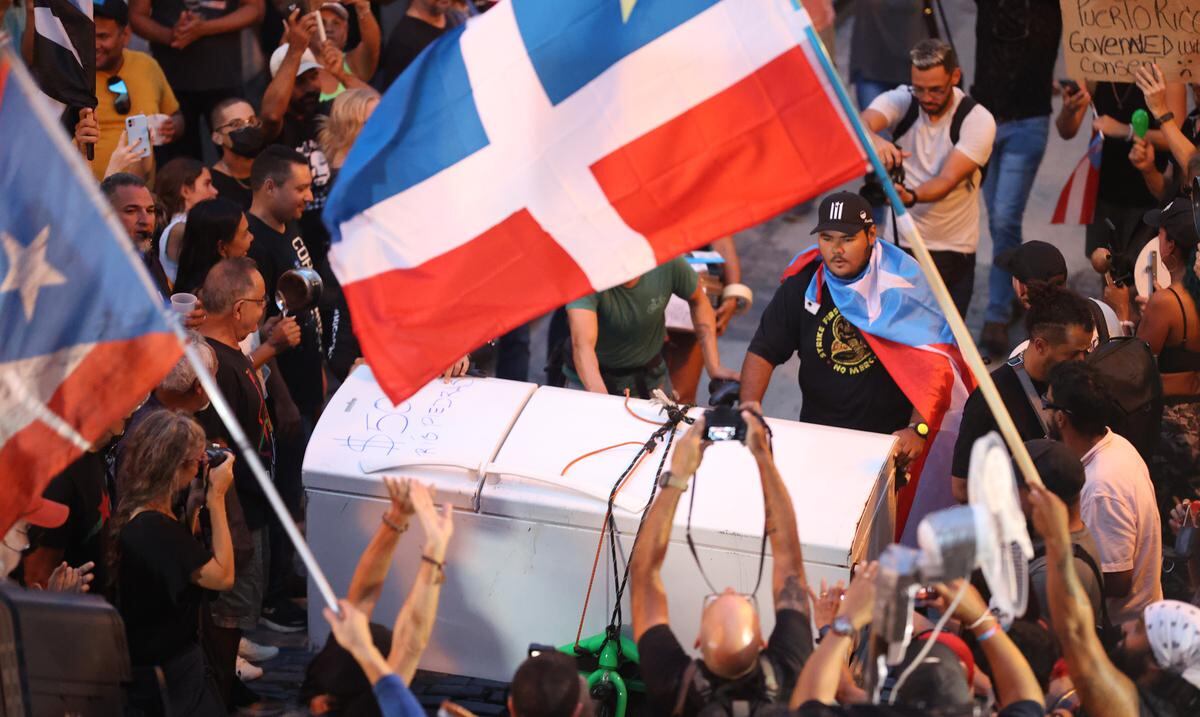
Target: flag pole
column 220, row 405
column 958, row 327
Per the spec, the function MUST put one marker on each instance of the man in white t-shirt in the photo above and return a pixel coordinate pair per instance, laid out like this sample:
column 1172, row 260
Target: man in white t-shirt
column 1117, row 503
column 944, row 149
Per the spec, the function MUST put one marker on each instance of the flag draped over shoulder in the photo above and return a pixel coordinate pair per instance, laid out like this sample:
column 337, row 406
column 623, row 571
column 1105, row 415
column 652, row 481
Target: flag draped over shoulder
column 82, row 342
column 893, row 307
column 548, row 150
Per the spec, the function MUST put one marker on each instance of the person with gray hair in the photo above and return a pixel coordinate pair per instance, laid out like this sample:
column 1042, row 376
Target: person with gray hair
column 947, row 138
column 236, row 296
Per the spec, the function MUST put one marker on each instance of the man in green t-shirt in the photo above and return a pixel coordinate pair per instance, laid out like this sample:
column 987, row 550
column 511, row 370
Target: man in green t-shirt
column 617, row 335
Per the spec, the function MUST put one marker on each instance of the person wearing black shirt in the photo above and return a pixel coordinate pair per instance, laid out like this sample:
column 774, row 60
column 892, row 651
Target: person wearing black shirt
column 200, row 49
column 424, row 22
column 843, row 382
column 157, row 569
column 735, row 664
column 1060, row 327
column 238, row 133
column 1016, row 48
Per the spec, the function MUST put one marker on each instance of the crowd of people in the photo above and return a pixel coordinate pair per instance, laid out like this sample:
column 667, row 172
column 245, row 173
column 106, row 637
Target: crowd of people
column 253, row 109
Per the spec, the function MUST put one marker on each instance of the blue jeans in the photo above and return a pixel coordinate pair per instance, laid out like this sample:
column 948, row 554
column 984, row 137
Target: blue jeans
column 866, row 89
column 1016, row 155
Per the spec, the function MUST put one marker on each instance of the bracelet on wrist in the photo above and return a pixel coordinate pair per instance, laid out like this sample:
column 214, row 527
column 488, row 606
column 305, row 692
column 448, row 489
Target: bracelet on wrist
column 392, row 524
column 988, row 634
column 981, row 620
column 440, row 577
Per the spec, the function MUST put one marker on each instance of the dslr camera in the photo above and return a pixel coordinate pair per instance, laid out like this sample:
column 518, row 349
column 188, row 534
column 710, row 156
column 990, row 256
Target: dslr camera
column 872, row 188
column 723, row 421
column 216, row 455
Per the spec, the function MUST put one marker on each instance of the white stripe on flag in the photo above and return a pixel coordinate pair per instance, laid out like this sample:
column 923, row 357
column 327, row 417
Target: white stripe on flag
column 538, row 155
column 50, row 27
column 26, row 385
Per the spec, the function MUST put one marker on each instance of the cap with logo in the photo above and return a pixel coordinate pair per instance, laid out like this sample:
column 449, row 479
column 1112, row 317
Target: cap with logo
column 1178, row 218
column 844, row 212
column 308, row 61
column 1033, row 261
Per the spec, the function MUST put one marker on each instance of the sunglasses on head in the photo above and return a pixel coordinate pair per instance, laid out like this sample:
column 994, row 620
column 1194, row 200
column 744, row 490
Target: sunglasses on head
column 121, row 102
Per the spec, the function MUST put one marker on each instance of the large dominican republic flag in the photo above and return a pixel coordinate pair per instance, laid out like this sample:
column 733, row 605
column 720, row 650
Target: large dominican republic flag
column 81, row 341
column 549, row 149
column 894, row 308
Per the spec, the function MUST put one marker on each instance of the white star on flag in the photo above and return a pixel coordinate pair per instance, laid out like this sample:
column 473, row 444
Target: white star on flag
column 28, row 270
column 874, row 283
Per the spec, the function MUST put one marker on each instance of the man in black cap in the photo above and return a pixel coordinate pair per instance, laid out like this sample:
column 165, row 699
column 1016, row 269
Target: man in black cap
column 1038, row 263
column 1063, row 475
column 843, row 382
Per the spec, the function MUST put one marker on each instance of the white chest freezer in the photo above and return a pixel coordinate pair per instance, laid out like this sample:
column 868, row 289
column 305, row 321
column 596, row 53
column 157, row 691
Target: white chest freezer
column 526, row 533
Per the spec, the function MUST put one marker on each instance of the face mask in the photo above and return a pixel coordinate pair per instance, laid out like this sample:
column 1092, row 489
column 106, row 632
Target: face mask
column 247, row 142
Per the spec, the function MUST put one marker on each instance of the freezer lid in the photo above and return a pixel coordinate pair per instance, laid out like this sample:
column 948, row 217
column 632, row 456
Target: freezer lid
column 832, row 475
column 442, row 434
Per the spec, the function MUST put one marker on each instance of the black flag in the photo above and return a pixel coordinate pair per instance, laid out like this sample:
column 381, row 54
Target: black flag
column 64, row 51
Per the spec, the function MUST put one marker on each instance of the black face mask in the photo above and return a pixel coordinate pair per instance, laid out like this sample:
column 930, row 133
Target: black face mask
column 247, row 141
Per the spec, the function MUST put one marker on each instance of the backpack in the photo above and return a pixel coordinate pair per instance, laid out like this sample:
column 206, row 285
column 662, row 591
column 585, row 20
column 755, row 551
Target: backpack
column 1129, row 372
column 1109, row 634
column 964, row 108
column 722, row 701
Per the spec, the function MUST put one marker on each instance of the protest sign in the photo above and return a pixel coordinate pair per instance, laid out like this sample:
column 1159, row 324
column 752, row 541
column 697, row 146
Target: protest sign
column 1110, row 39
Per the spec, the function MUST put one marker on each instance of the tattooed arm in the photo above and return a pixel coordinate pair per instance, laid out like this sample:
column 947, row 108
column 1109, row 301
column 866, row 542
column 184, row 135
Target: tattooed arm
column 1103, row 689
column 790, row 586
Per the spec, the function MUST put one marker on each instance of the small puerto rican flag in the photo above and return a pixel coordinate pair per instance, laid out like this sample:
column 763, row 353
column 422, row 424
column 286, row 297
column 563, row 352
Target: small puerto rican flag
column 1077, row 201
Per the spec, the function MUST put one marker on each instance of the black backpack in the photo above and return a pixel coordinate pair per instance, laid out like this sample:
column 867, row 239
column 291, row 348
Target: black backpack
column 729, row 698
column 964, row 108
column 1108, row 633
column 1129, row 372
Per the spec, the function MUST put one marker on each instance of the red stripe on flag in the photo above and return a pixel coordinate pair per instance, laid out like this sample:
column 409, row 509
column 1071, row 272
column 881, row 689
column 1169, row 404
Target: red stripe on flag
column 755, row 149
column 1064, row 197
column 1087, row 211
column 413, row 323
column 107, row 385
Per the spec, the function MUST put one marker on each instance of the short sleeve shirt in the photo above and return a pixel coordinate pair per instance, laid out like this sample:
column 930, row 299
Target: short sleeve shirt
column 952, row 223
column 158, row 600
column 1118, row 505
column 664, row 663
column 843, row 382
column 632, row 321
column 83, row 488
column 149, row 94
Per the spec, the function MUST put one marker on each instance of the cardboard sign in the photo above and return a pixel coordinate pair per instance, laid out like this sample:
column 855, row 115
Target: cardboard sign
column 1110, row 39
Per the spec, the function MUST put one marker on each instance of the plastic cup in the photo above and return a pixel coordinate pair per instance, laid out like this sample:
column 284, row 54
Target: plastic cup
column 183, row 303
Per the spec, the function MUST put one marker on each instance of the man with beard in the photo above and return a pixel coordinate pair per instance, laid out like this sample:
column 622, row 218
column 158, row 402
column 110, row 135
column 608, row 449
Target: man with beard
column 238, row 133
column 291, row 115
column 948, row 138
column 1157, row 663
column 134, row 205
column 1117, row 503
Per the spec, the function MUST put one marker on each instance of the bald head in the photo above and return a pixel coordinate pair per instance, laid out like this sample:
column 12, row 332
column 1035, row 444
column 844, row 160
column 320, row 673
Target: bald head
column 730, row 636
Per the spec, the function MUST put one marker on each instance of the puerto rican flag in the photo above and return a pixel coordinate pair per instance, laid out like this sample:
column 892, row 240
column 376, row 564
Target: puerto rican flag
column 1077, row 200
column 893, row 307
column 81, row 341
column 547, row 150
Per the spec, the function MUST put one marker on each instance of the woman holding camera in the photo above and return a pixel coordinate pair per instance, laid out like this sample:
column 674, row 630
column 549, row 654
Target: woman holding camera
column 158, row 570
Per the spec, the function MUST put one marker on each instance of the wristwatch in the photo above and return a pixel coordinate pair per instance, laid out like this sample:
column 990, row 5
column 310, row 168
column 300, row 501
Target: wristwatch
column 841, row 625
column 1166, row 117
column 921, row 428
column 668, row 479
column 914, row 201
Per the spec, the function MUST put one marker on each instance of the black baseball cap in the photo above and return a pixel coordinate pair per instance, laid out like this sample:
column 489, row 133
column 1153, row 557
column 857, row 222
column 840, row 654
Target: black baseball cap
column 938, row 683
column 1061, row 470
column 1033, row 261
column 844, row 212
column 1177, row 217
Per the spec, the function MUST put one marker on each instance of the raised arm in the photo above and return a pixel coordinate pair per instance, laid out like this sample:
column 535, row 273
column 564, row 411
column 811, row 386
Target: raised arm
column 1162, row 98
column 1103, row 689
column 585, row 330
column 1070, row 115
column 364, row 59
column 1011, row 674
column 298, row 32
column 647, row 595
column 790, row 587
column 822, row 673
column 372, row 569
column 414, row 624
column 217, row 574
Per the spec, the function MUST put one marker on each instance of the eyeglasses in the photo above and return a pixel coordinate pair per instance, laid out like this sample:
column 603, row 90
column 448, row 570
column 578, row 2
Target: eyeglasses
column 931, row 91
column 710, row 598
column 260, row 302
column 122, row 102
column 235, row 125
column 1048, row 405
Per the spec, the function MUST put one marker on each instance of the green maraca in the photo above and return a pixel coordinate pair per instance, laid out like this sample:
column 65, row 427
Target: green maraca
column 1140, row 122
